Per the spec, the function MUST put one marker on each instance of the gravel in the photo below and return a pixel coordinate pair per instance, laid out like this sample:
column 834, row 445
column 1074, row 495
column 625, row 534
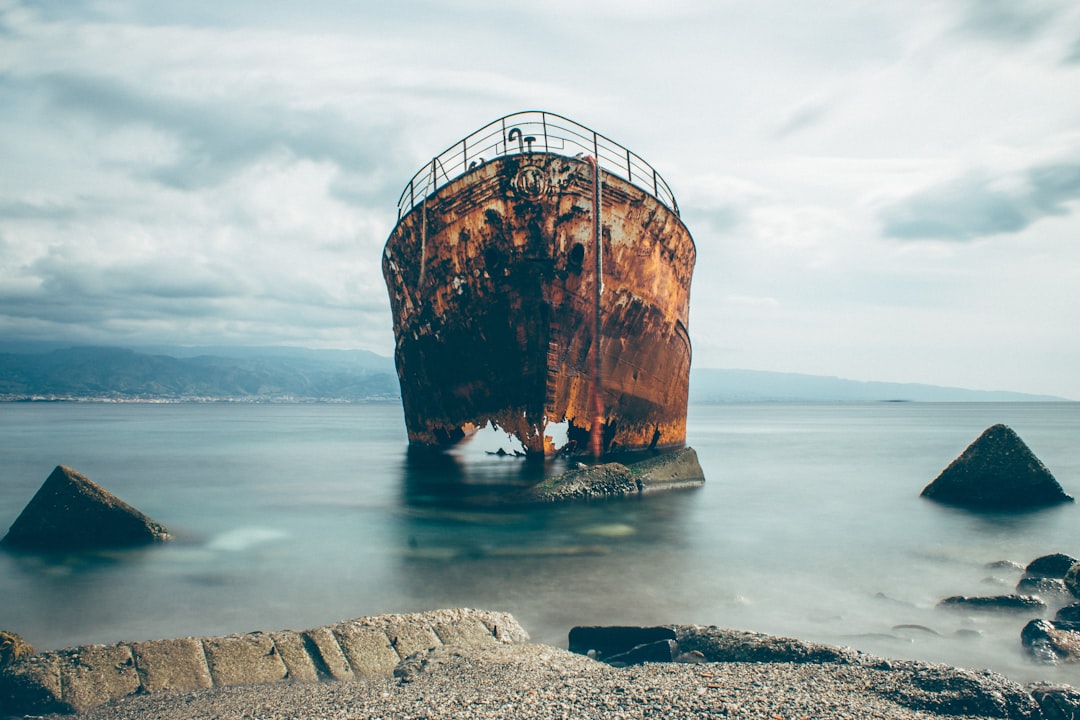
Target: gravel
column 525, row 681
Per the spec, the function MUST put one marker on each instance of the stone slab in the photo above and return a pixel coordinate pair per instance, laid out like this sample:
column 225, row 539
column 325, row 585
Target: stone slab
column 95, row 674
column 293, row 650
column 504, row 628
column 368, row 650
column 459, row 628
column 246, row 659
column 32, row 686
column 178, row 664
column 328, row 654
column 78, row 679
column 407, row 634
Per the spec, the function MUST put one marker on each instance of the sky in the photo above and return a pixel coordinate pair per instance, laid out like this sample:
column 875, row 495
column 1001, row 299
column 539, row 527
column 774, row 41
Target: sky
column 877, row 191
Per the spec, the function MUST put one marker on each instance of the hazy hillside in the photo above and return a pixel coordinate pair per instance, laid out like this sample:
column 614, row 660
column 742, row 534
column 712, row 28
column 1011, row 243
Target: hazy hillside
column 245, row 374
column 297, row 374
column 715, row 386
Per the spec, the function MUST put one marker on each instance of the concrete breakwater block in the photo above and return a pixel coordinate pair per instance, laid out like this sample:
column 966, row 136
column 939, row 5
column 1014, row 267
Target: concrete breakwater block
column 77, row 679
column 996, row 472
column 70, row 512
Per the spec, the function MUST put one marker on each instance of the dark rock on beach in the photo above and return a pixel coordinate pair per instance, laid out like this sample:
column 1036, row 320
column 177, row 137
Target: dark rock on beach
column 1042, row 586
column 661, row 651
column 996, row 472
column 1003, row 603
column 603, row 642
column 1056, row 565
column 1051, row 642
column 1069, row 613
column 1072, row 580
column 12, row 648
column 1057, row 702
column 71, row 513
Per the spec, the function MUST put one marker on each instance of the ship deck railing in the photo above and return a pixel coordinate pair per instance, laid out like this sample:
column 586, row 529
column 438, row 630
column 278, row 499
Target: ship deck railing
column 533, row 131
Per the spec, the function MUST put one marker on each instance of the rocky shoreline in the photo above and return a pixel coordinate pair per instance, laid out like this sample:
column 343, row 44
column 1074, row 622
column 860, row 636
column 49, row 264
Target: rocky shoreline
column 479, row 664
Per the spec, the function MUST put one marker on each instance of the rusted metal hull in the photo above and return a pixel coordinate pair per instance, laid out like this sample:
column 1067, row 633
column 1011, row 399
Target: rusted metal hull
column 493, row 291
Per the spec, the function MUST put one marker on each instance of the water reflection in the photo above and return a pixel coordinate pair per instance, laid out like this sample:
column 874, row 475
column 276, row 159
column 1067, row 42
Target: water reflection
column 998, row 523
column 555, row 565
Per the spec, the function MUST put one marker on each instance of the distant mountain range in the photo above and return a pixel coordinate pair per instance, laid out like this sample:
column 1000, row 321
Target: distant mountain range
column 268, row 374
column 716, row 386
column 52, row 372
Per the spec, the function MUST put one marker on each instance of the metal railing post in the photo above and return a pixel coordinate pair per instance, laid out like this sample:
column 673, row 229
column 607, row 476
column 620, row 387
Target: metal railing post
column 573, row 135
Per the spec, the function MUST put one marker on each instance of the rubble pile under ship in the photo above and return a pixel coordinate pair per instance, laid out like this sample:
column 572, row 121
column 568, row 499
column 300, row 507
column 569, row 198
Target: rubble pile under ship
column 513, row 306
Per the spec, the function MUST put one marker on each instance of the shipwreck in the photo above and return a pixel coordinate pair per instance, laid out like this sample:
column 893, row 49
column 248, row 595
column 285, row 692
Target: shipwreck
column 539, row 277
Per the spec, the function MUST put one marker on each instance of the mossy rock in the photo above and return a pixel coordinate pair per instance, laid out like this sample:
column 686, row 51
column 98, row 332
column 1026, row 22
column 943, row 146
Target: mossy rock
column 12, row 648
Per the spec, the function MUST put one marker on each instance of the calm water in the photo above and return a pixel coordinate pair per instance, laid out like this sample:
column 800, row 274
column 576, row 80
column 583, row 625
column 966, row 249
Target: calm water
column 293, row 516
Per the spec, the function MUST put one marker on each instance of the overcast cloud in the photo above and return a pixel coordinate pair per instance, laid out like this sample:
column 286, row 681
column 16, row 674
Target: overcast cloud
column 880, row 191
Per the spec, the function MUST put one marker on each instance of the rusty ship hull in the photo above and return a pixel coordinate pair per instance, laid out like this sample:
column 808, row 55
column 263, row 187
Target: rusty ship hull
column 493, row 279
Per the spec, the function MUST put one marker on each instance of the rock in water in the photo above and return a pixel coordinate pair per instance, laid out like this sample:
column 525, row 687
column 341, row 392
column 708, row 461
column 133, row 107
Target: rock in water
column 70, row 512
column 1050, row 566
column 996, row 472
column 1050, row 642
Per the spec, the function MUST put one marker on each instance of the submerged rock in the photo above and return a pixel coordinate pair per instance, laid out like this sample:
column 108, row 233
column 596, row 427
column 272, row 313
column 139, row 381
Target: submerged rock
column 598, row 481
column 1009, row 603
column 1042, row 586
column 996, row 472
column 72, row 513
column 669, row 471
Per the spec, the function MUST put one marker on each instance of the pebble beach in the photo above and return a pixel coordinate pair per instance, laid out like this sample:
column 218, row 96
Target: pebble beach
column 521, row 681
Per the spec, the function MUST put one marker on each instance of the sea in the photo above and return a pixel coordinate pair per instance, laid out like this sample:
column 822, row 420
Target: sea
column 809, row 525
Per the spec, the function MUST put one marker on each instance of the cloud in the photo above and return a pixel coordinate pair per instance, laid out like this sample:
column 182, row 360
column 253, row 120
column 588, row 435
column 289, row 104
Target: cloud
column 215, row 140
column 977, row 205
column 802, row 118
column 1007, row 20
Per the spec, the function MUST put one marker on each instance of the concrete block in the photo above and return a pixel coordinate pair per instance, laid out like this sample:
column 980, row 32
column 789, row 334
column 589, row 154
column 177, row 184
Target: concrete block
column 407, row 634
column 368, row 650
column 458, row 627
column 95, row 674
column 32, row 686
column 72, row 512
column 293, row 651
column 502, row 625
column 669, row 471
column 328, row 653
column 246, row 659
column 178, row 664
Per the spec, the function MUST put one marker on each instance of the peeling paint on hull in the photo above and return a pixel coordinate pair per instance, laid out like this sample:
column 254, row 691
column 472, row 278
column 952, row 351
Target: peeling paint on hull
column 492, row 288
